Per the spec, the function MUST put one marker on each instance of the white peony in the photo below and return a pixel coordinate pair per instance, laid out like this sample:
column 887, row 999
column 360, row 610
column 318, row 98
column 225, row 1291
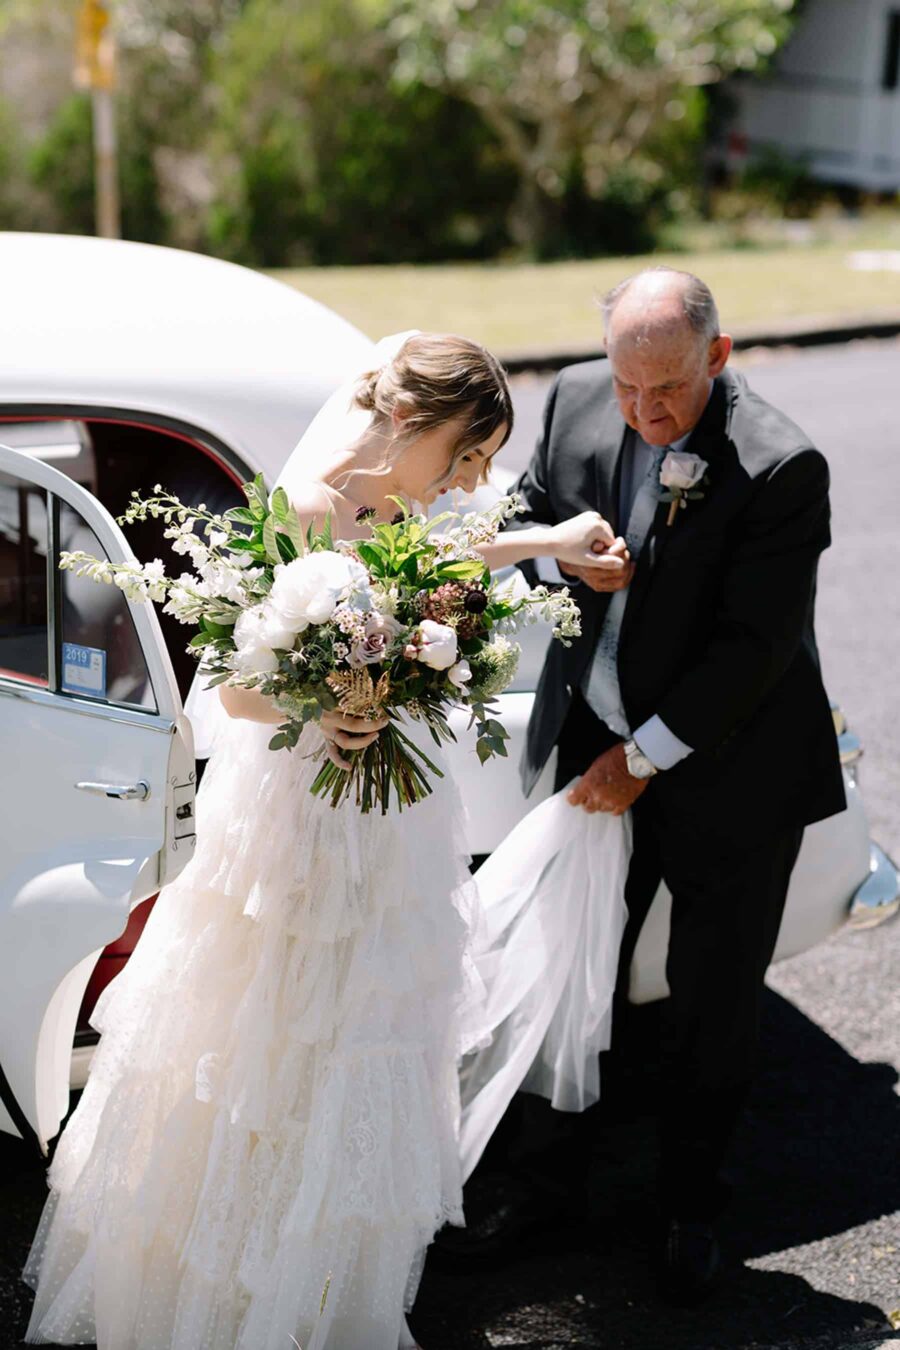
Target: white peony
column 436, row 645
column 256, row 633
column 307, row 590
column 460, row 674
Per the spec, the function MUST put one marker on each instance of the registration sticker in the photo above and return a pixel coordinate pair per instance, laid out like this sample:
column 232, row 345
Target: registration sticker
column 83, row 670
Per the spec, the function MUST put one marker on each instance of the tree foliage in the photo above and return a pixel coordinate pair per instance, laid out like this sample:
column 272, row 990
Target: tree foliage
column 347, row 131
column 321, row 159
column 579, row 85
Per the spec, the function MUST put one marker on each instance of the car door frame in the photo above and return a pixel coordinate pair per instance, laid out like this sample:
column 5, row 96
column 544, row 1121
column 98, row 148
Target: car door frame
column 168, row 715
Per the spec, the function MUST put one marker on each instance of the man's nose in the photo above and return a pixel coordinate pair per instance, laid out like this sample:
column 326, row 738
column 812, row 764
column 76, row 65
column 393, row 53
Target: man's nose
column 647, row 405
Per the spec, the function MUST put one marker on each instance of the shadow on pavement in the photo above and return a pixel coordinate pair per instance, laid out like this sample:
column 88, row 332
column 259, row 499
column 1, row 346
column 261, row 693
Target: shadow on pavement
column 817, row 1155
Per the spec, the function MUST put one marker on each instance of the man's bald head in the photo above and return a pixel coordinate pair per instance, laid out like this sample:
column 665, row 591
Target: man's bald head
column 657, row 303
column 664, row 347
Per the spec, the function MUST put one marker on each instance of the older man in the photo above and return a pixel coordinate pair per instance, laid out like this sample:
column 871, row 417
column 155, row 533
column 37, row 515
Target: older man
column 694, row 697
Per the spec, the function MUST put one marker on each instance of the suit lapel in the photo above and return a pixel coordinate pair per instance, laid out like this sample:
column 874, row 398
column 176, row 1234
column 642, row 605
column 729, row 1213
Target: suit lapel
column 610, row 445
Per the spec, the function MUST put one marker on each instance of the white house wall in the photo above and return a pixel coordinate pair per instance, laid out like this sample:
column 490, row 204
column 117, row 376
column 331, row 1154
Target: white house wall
column 824, row 100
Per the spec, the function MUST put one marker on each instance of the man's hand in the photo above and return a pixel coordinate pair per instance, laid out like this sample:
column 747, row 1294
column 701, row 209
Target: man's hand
column 607, row 785
column 615, row 573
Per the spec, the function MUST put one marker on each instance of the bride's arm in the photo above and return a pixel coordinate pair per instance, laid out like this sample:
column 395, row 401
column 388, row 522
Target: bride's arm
column 582, row 541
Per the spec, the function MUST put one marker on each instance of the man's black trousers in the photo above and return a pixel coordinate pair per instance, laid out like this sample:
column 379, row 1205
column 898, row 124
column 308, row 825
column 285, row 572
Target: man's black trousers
column 727, row 903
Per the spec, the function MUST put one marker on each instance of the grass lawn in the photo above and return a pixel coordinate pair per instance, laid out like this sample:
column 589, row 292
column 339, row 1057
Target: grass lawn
column 521, row 308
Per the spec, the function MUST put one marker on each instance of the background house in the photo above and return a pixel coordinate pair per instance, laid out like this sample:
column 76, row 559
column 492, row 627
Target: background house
column 831, row 98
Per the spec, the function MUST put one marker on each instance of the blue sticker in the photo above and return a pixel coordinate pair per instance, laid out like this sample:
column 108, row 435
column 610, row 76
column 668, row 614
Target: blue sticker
column 83, row 670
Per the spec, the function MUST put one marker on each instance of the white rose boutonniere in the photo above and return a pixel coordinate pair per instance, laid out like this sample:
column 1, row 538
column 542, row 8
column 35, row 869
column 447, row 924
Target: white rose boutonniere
column 681, row 475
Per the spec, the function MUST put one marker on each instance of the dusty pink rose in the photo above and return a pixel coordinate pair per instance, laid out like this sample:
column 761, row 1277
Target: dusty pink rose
column 381, row 629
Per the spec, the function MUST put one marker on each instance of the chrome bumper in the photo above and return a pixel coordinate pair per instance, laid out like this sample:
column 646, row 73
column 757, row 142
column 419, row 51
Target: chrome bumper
column 878, row 898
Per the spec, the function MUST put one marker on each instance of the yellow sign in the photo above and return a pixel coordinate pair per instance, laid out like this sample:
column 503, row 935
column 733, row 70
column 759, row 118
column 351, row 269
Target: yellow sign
column 94, row 47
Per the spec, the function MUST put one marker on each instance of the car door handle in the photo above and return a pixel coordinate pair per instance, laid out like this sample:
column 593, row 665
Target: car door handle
column 139, row 791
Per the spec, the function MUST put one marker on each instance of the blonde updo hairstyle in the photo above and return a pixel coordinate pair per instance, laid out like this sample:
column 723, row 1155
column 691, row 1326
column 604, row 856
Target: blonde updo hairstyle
column 434, row 378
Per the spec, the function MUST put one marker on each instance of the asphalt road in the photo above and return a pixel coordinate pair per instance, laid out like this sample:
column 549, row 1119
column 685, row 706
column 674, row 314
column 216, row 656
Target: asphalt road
column 813, row 1241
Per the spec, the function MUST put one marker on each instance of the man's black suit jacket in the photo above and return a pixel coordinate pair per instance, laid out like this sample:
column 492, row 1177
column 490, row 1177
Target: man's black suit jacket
column 717, row 635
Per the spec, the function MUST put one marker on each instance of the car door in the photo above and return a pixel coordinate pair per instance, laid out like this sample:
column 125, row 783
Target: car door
column 96, row 777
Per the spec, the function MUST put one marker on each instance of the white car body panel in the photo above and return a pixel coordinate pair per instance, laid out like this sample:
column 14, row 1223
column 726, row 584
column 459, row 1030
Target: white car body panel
column 133, row 328
column 76, row 862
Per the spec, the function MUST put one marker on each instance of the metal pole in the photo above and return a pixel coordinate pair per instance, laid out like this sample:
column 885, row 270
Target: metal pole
column 106, row 177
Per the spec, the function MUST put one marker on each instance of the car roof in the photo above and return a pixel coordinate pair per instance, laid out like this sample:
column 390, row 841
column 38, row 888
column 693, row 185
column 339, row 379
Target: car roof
column 109, row 324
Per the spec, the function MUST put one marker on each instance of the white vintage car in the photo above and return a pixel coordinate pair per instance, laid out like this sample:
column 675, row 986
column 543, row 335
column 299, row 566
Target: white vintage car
column 126, row 365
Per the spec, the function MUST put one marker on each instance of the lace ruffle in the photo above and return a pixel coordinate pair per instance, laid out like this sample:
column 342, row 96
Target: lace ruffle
column 274, row 1099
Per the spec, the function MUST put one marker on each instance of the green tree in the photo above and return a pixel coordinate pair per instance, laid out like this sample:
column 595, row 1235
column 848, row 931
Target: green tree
column 321, row 159
column 578, row 90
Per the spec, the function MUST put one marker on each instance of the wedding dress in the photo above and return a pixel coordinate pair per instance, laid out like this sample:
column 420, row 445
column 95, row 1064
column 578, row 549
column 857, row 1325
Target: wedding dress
column 267, row 1140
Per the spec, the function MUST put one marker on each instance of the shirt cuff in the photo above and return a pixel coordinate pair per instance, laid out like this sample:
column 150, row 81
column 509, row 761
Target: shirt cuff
column 661, row 746
column 548, row 570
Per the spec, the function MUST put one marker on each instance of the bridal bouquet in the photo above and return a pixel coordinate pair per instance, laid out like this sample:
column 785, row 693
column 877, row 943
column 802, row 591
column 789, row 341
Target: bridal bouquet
column 406, row 620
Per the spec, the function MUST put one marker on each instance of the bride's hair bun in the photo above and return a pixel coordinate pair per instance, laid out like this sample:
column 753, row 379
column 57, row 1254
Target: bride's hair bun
column 365, row 393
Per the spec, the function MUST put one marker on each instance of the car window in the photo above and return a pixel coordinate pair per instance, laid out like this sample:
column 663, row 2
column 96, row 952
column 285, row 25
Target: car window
column 24, row 535
column 100, row 655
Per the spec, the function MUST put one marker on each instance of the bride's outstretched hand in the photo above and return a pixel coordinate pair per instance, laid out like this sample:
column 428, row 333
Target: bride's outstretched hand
column 343, row 732
column 583, row 540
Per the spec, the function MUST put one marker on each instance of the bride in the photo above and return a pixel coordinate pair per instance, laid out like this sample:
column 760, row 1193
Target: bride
column 269, row 1136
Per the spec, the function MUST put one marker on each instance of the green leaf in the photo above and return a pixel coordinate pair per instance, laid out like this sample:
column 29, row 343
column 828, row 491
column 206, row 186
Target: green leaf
column 410, row 569
column 483, row 750
column 326, row 534
column 280, row 505
column 239, row 543
column 278, row 742
column 218, row 679
column 255, row 493
column 465, row 570
column 295, row 531
column 270, row 541
column 215, row 629
column 241, row 513
column 199, row 640
column 285, row 547
column 372, row 554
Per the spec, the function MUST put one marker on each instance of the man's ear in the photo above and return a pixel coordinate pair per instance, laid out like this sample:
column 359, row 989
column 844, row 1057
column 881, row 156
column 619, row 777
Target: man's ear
column 719, row 352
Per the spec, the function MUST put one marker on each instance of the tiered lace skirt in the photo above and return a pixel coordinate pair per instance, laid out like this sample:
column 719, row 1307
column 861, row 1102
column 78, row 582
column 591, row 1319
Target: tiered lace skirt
column 268, row 1138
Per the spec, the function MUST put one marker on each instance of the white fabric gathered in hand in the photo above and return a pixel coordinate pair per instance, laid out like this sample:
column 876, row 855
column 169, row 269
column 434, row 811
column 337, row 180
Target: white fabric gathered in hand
column 547, row 948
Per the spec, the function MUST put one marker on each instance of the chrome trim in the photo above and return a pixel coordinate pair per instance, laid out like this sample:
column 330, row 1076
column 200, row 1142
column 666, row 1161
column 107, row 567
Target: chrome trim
column 137, row 791
column 106, row 712
column 878, row 898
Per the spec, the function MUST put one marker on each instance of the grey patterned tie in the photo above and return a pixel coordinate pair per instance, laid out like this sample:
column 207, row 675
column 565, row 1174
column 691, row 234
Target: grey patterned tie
column 600, row 684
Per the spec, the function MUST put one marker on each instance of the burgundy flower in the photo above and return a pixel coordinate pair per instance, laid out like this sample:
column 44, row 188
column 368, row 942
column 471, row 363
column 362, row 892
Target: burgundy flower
column 364, row 513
